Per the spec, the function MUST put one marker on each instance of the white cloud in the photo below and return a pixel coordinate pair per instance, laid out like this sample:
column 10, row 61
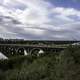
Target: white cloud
column 38, row 19
column 66, row 11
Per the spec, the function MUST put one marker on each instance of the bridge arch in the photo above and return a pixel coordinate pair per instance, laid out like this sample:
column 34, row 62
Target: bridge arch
column 11, row 50
column 36, row 51
column 22, row 51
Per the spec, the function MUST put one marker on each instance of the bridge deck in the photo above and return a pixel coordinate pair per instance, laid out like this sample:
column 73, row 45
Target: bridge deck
column 42, row 46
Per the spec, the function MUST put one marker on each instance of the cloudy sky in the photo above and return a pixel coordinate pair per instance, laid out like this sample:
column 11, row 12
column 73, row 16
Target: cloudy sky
column 40, row 19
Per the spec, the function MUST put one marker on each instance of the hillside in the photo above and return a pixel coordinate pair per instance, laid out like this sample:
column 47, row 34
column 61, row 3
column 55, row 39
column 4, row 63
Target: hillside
column 64, row 65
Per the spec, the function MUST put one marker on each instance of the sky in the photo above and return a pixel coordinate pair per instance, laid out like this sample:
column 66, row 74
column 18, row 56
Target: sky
column 40, row 19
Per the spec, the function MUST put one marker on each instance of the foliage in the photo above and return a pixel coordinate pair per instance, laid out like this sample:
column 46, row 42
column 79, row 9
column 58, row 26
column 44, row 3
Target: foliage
column 56, row 66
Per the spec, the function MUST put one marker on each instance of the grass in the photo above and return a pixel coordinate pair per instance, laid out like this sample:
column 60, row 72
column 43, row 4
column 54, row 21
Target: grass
column 64, row 65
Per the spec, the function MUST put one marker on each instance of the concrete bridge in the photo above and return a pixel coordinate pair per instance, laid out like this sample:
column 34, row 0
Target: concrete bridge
column 24, row 49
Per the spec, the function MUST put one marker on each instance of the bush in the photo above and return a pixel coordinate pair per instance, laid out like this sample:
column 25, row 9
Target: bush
column 59, row 66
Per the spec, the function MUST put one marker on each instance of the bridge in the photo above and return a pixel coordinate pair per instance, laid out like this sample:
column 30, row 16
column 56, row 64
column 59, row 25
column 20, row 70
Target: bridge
column 25, row 49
